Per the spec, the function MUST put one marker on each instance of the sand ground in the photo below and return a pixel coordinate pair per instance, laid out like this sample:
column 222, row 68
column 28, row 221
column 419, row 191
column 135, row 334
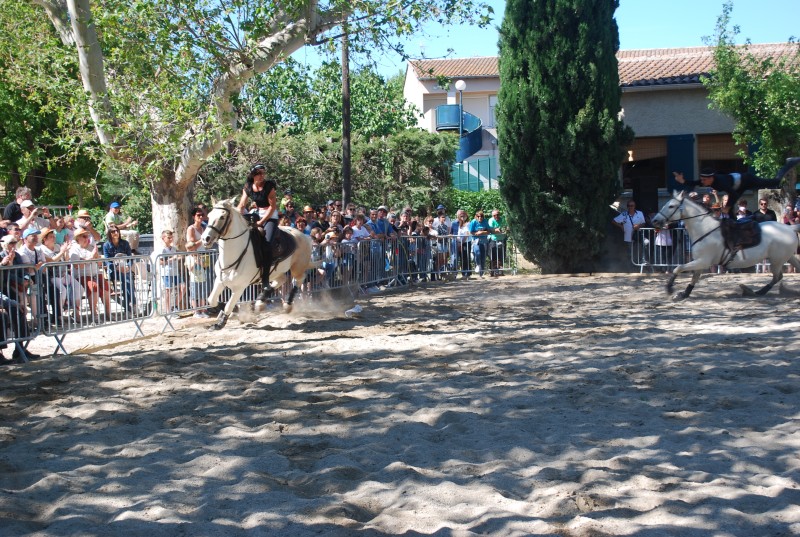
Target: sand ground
column 526, row 405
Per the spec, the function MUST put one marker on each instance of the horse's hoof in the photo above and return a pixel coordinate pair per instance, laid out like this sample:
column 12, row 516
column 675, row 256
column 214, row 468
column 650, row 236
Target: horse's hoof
column 287, row 308
column 679, row 296
column 259, row 306
column 216, row 326
column 746, row 291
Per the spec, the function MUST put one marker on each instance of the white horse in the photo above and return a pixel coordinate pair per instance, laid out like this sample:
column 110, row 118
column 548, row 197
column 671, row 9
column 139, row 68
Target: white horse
column 778, row 244
column 236, row 266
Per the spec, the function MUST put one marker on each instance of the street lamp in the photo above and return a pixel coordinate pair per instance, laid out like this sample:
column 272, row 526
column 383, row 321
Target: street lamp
column 461, row 86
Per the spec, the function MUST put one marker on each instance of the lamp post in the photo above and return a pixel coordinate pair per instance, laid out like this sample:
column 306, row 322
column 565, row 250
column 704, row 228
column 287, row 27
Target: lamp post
column 461, row 86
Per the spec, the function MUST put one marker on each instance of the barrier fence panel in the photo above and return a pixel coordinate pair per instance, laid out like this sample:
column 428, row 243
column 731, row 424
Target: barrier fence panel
column 17, row 321
column 661, row 250
column 66, row 297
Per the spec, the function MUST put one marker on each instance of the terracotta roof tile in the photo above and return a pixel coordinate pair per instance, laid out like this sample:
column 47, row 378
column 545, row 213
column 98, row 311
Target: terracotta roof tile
column 650, row 67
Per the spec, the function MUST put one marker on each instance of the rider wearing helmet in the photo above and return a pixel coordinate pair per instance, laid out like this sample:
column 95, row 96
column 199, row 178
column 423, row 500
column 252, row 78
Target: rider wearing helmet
column 735, row 184
column 263, row 192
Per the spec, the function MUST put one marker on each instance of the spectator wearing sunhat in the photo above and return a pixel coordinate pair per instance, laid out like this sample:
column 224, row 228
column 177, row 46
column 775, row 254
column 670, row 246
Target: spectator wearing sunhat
column 33, row 217
column 124, row 225
column 83, row 220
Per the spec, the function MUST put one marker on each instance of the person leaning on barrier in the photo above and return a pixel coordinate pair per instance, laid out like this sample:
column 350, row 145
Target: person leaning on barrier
column 497, row 242
column 89, row 275
column 120, row 271
column 68, row 287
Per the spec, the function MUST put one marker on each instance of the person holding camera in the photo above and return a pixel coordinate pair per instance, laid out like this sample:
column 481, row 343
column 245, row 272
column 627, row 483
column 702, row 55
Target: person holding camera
column 33, row 217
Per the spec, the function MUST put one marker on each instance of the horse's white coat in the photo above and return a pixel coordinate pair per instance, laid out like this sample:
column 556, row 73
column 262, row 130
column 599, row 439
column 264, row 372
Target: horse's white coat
column 778, row 243
column 236, row 266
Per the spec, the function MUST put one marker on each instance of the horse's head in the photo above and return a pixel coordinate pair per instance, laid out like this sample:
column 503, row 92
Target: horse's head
column 672, row 211
column 219, row 220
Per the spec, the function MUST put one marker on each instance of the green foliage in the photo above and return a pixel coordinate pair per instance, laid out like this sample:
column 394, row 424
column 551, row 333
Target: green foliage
column 398, row 170
column 761, row 93
column 34, row 106
column 472, row 202
column 561, row 138
column 312, row 102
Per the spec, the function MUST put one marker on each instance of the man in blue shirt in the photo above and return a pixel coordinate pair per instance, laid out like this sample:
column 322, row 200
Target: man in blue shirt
column 479, row 229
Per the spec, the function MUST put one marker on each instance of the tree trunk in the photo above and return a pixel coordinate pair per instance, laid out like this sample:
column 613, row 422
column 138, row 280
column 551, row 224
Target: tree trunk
column 171, row 205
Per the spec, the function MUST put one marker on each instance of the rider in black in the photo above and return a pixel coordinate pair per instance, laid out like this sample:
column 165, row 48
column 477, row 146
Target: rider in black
column 735, row 184
column 263, row 193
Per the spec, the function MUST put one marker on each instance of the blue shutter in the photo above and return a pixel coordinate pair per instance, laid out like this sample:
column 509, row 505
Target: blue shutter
column 680, row 158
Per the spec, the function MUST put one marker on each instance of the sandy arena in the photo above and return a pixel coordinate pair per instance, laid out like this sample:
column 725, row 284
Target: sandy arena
column 570, row 406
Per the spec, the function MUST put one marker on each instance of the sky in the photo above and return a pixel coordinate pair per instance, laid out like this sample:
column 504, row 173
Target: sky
column 642, row 24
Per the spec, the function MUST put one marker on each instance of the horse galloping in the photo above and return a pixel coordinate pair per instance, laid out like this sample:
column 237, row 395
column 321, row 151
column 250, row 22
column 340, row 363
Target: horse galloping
column 237, row 267
column 778, row 244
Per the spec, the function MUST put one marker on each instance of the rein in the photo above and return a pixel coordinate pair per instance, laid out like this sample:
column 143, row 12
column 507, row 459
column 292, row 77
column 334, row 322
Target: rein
column 707, row 213
column 221, row 237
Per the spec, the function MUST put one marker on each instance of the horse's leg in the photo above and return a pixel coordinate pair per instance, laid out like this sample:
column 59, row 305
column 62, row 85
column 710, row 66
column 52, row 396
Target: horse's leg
column 777, row 275
column 260, row 303
column 688, row 291
column 222, row 318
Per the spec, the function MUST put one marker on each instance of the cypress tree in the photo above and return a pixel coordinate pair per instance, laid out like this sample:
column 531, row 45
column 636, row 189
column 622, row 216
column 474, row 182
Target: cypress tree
column 561, row 138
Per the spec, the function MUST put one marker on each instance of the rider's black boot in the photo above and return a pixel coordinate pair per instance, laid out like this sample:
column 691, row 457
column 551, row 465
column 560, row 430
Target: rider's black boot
column 791, row 162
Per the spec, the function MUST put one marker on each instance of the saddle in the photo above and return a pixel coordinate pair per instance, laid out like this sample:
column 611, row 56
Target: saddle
column 740, row 234
column 282, row 246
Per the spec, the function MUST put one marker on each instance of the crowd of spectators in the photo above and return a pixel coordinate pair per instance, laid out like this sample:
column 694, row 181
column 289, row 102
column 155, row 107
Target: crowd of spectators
column 423, row 247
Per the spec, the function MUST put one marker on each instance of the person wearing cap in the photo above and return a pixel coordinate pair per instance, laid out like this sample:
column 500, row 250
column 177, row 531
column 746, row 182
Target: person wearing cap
column 735, row 184
column 29, row 254
column 13, row 312
column 88, row 274
column 440, row 210
column 288, row 197
column 83, row 220
column 31, row 216
column 124, row 225
column 263, row 192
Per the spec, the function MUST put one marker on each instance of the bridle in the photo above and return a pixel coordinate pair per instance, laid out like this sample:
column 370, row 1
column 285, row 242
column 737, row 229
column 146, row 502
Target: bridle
column 680, row 208
column 221, row 237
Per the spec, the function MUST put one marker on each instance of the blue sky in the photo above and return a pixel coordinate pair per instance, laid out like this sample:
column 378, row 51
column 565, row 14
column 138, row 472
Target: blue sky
column 642, row 24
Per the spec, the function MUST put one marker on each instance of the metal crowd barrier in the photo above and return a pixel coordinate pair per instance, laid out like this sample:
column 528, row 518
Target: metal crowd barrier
column 68, row 297
column 661, row 250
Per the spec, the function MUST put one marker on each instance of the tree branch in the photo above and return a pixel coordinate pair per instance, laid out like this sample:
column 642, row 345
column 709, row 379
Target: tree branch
column 93, row 76
column 57, row 13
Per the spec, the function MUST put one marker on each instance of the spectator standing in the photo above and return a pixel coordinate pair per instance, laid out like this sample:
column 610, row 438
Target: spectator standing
column 288, row 198
column 171, row 278
column 764, row 213
column 497, row 242
column 120, row 271
column 441, row 210
column 321, row 221
column 349, row 214
column 12, row 211
column 198, row 265
column 124, row 225
column 743, row 211
column 480, row 230
column 302, row 225
column 291, row 214
column 629, row 221
column 89, row 275
column 68, row 287
column 28, row 253
column 460, row 228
